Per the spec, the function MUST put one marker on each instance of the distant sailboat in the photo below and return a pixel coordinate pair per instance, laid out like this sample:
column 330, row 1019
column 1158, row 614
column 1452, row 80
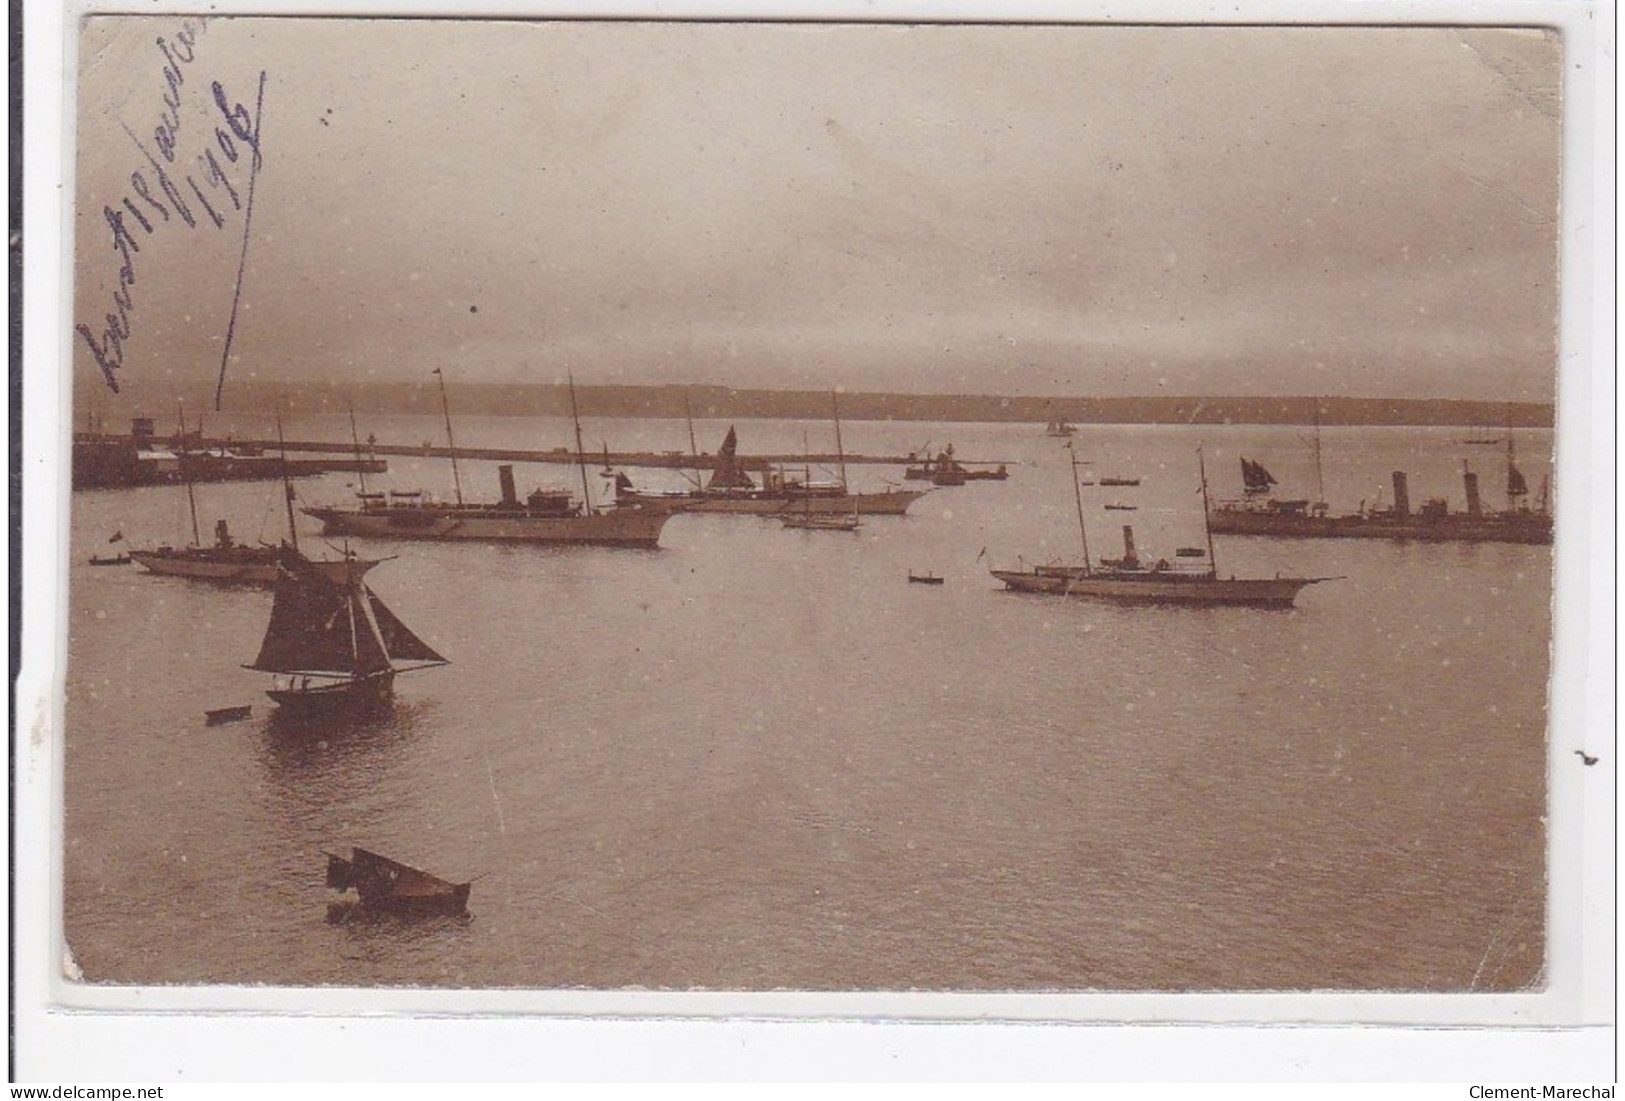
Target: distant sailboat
column 336, row 642
column 807, row 519
column 731, row 489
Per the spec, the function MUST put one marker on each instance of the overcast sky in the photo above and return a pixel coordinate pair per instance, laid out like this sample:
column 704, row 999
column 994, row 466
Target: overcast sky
column 1033, row 210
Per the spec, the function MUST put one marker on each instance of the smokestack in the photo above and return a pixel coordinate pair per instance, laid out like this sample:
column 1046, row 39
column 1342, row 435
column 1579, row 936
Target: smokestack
column 1471, row 481
column 1129, row 558
column 1402, row 495
column 510, row 496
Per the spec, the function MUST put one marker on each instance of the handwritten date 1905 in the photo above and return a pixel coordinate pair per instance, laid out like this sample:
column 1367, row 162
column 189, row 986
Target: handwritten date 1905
column 201, row 193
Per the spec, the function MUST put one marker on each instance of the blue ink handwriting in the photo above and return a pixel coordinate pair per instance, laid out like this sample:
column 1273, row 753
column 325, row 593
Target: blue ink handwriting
column 200, row 191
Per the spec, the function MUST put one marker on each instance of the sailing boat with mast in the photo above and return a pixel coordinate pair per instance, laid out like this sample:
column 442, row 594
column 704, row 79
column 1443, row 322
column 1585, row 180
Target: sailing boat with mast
column 1130, row 580
column 807, row 519
column 546, row 515
column 732, row 489
column 227, row 561
column 336, row 642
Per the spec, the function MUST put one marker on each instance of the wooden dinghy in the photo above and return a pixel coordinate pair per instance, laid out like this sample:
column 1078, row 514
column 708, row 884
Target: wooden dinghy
column 385, row 886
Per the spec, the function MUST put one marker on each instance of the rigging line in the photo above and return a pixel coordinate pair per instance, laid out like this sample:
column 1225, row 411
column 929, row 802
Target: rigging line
column 242, row 258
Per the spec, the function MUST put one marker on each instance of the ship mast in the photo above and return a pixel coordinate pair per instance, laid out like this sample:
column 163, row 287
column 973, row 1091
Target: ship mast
column 1320, row 478
column 1512, row 463
column 581, row 461
column 693, row 447
column 1077, row 495
column 1207, row 525
column 445, row 409
column 840, row 452
column 287, row 486
column 186, row 474
column 360, row 469
column 806, row 475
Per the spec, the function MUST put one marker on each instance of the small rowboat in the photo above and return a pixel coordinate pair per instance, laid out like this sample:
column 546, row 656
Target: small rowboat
column 223, row 715
column 386, row 886
column 924, row 578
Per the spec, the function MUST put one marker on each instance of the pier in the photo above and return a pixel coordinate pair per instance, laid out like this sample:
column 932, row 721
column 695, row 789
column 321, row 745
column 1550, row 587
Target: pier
column 669, row 460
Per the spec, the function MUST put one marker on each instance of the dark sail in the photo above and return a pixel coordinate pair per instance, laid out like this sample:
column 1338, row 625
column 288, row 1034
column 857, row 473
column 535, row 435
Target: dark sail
column 1516, row 486
column 318, row 626
column 399, row 640
column 727, row 474
column 1255, row 478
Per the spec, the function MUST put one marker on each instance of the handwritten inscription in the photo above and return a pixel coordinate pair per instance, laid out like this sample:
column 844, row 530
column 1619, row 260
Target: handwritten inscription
column 200, row 186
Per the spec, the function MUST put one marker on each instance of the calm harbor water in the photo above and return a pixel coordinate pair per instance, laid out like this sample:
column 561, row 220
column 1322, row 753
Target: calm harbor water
column 760, row 759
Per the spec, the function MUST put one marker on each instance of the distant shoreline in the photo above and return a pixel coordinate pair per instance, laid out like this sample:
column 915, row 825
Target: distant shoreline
column 721, row 402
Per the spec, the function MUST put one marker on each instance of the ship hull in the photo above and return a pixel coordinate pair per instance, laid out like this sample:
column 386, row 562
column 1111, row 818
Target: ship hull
column 384, row 886
column 237, row 569
column 358, row 696
column 624, row 527
column 894, row 503
column 1191, row 590
column 815, row 522
column 1534, row 529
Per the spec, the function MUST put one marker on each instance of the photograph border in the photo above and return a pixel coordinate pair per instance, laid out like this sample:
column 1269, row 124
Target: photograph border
column 63, row 1029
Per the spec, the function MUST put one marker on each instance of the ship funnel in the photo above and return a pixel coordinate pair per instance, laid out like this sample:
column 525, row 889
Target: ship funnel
column 1130, row 559
column 510, row 496
column 1402, row 495
column 1470, row 480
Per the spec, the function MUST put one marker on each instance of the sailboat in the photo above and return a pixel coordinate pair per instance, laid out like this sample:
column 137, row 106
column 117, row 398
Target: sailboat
column 336, row 642
column 544, row 516
column 732, row 489
column 809, row 520
column 229, row 561
column 822, row 521
column 1130, row 580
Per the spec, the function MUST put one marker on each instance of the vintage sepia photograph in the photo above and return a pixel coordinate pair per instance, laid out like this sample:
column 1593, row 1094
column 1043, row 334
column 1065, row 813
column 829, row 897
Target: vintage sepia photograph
column 833, row 507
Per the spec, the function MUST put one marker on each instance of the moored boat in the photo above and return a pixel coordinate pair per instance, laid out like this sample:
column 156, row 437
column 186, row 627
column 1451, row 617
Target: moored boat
column 1431, row 522
column 731, row 489
column 385, row 886
column 831, row 521
column 546, row 515
column 230, row 562
column 942, row 469
column 1157, row 584
column 1130, row 580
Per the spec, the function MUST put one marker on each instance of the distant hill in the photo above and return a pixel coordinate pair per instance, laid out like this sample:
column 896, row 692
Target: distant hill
column 711, row 402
